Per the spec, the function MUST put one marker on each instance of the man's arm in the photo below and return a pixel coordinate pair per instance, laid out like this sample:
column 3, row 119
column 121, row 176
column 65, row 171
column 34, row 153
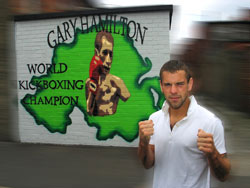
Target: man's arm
column 121, row 88
column 90, row 98
column 219, row 163
column 146, row 151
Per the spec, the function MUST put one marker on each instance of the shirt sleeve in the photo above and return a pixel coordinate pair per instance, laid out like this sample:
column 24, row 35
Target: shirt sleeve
column 152, row 137
column 218, row 135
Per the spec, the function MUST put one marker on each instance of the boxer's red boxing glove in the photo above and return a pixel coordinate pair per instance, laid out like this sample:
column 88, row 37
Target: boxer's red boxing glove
column 94, row 73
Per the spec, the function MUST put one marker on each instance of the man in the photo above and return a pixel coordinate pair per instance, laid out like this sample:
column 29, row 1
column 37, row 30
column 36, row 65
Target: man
column 183, row 140
column 103, row 90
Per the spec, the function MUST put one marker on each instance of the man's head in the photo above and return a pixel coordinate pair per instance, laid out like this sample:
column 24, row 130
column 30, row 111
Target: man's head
column 104, row 44
column 176, row 83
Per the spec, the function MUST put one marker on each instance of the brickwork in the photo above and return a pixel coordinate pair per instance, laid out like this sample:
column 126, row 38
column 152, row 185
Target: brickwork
column 32, row 48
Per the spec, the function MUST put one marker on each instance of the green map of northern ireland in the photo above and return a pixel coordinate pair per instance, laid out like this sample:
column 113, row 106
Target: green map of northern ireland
column 62, row 88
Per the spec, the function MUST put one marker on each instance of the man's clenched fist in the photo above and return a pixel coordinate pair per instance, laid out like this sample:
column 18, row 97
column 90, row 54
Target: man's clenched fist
column 146, row 129
column 205, row 142
column 94, row 73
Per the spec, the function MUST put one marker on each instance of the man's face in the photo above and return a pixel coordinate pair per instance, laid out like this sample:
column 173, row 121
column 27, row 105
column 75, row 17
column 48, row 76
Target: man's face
column 106, row 54
column 175, row 88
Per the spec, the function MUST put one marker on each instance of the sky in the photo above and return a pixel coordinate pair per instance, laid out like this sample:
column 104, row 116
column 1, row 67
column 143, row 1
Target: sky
column 188, row 12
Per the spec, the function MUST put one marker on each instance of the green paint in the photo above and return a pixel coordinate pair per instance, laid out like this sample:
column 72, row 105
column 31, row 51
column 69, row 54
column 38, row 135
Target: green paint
column 127, row 64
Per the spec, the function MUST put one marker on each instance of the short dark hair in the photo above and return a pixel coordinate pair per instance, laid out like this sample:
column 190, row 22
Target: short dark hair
column 174, row 66
column 98, row 39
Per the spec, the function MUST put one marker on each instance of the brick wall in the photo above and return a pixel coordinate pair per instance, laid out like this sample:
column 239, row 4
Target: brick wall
column 71, row 124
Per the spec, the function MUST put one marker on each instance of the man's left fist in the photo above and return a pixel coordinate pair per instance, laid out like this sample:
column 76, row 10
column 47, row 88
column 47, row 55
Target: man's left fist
column 205, row 142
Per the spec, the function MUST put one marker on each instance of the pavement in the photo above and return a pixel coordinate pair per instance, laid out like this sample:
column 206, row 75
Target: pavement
column 58, row 166
column 55, row 166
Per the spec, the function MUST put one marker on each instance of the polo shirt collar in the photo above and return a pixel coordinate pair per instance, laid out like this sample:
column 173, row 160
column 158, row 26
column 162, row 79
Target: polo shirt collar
column 191, row 108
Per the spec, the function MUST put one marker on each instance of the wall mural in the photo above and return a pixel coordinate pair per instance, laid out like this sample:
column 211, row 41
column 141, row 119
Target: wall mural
column 98, row 73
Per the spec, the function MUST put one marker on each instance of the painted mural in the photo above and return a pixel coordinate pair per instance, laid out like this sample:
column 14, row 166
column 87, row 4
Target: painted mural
column 103, row 90
column 98, row 73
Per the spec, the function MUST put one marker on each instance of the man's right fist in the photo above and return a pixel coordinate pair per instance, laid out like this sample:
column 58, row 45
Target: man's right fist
column 94, row 73
column 146, row 129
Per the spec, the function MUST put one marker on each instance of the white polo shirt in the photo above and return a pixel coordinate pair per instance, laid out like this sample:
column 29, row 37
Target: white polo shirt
column 178, row 161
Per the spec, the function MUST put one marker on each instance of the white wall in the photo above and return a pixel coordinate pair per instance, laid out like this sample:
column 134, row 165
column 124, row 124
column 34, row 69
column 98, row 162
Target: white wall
column 32, row 47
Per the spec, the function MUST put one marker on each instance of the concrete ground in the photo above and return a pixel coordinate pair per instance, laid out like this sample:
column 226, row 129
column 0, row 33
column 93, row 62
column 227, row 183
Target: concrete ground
column 51, row 166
